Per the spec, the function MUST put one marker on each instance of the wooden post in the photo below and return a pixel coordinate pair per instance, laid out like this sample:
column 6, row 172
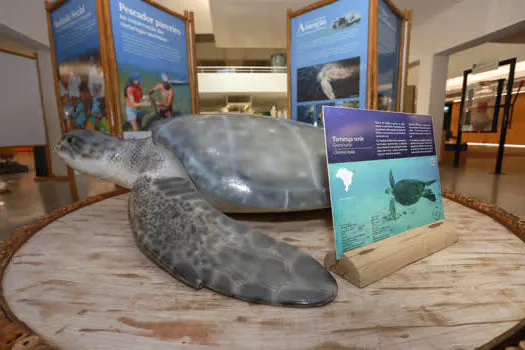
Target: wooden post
column 408, row 24
column 50, row 6
column 371, row 80
column 105, row 56
column 194, row 62
column 400, row 75
column 368, row 264
column 288, row 57
column 112, row 69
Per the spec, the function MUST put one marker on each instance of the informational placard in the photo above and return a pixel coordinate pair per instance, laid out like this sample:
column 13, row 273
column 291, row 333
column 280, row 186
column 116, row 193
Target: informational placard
column 328, row 59
column 383, row 174
column 75, row 35
column 390, row 27
column 153, row 66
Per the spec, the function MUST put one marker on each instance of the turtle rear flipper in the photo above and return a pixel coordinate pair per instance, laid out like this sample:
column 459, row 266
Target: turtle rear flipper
column 393, row 209
column 428, row 194
column 182, row 233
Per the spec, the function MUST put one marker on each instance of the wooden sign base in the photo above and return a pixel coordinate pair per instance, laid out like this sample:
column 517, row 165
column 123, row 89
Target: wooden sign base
column 366, row 265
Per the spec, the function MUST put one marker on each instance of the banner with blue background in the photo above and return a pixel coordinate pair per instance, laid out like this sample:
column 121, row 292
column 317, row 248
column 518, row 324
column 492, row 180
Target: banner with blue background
column 383, row 174
column 152, row 59
column 328, row 59
column 74, row 28
column 389, row 30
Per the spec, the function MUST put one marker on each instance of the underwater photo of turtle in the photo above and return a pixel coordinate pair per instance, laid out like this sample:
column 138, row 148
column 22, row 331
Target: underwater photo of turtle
column 408, row 192
column 329, row 81
column 390, row 196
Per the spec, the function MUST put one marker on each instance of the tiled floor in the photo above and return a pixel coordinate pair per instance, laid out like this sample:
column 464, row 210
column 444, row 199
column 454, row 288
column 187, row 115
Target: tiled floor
column 478, row 180
column 30, row 200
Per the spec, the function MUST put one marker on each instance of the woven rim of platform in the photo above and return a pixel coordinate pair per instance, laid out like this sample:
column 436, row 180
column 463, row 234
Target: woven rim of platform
column 14, row 332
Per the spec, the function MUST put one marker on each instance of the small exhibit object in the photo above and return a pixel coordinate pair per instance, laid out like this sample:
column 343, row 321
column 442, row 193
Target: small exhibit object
column 385, row 192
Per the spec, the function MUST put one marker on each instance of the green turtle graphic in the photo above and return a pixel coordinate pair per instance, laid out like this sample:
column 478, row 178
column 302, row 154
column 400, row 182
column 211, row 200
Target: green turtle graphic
column 407, row 192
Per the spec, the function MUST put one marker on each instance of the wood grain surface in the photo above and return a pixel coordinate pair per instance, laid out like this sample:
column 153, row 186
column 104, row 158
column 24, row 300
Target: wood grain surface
column 81, row 283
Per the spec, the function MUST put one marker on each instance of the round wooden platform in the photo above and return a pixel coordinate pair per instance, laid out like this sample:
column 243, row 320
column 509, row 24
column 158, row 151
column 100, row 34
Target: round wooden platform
column 81, row 283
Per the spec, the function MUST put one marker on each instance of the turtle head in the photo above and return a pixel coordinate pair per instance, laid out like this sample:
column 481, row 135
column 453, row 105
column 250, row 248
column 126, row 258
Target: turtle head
column 88, row 151
column 388, row 190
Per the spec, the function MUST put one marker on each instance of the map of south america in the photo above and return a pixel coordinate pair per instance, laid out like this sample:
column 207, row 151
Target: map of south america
column 346, row 176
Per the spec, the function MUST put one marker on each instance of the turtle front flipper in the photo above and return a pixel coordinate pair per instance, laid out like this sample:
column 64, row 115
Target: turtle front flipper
column 392, row 182
column 187, row 237
column 428, row 194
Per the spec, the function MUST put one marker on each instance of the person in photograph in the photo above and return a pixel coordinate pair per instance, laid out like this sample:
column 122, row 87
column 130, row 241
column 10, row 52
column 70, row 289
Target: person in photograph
column 73, row 86
column 96, row 88
column 79, row 112
column 133, row 95
column 66, row 106
column 166, row 93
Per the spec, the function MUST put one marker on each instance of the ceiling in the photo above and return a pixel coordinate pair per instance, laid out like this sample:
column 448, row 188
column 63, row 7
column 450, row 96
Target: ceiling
column 262, row 23
column 422, row 10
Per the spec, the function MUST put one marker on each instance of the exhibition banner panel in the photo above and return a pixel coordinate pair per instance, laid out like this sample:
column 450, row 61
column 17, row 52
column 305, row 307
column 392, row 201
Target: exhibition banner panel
column 389, row 38
column 75, row 36
column 328, row 59
column 153, row 64
column 383, row 174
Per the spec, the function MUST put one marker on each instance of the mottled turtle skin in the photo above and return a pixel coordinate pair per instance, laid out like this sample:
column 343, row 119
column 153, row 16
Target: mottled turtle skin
column 408, row 192
column 250, row 163
column 176, row 226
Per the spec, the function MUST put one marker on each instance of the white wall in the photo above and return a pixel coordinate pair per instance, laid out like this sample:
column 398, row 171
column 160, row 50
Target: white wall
column 240, row 83
column 20, row 107
column 460, row 61
column 27, row 18
column 54, row 132
column 466, row 24
column 489, row 52
column 233, row 56
column 200, row 8
column 24, row 22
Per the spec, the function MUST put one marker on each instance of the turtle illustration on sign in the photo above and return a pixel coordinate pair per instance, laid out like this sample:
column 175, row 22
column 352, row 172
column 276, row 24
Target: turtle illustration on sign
column 408, row 192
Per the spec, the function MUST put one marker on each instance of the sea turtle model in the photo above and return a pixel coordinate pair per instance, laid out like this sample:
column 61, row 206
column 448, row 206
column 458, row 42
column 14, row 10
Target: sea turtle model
column 194, row 168
column 407, row 192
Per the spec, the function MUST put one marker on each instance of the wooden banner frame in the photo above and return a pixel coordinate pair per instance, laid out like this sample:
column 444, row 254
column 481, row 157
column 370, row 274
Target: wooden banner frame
column 406, row 27
column 110, row 67
column 372, row 61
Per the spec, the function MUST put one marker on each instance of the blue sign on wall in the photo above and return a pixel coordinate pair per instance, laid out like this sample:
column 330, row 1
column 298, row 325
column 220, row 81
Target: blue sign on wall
column 151, row 49
column 76, row 43
column 383, row 174
column 328, row 62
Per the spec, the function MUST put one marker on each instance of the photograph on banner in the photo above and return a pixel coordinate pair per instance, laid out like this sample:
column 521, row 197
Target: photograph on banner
column 389, row 30
column 152, row 60
column 329, row 81
column 383, row 174
column 79, row 68
column 328, row 57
